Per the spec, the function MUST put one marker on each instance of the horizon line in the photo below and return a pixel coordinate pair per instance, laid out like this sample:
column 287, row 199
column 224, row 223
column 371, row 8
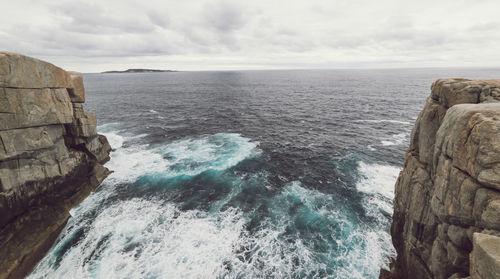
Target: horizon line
column 170, row 71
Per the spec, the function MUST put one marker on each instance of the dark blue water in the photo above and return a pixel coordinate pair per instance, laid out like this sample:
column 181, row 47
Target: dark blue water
column 254, row 174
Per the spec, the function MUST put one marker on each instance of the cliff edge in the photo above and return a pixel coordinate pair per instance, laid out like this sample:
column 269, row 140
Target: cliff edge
column 51, row 157
column 446, row 221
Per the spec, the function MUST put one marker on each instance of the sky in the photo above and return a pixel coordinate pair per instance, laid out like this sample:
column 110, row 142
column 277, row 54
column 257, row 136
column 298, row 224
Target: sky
column 98, row 35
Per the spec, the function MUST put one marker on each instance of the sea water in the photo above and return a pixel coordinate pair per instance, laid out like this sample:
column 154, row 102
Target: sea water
column 250, row 174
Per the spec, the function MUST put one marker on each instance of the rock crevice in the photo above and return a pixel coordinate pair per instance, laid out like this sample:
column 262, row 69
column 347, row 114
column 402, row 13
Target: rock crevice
column 51, row 157
column 447, row 196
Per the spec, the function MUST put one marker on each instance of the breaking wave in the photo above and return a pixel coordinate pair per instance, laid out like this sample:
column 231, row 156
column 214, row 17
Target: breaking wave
column 248, row 230
column 397, row 139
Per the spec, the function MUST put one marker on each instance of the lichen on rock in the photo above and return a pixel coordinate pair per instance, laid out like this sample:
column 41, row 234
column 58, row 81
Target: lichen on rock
column 51, row 157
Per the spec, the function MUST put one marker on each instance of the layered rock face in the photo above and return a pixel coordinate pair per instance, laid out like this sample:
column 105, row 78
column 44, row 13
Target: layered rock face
column 51, row 157
column 447, row 202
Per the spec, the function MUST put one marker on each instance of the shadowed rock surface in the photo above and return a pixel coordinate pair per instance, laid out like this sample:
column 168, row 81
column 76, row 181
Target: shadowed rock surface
column 447, row 197
column 51, row 157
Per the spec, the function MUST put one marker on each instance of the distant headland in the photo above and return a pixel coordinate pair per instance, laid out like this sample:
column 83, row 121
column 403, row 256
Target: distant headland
column 138, row 71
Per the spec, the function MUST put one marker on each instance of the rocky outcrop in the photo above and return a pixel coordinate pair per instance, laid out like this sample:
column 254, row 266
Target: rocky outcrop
column 485, row 257
column 447, row 197
column 51, row 157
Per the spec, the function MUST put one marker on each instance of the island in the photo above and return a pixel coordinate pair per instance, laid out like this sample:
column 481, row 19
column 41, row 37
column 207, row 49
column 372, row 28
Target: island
column 138, row 71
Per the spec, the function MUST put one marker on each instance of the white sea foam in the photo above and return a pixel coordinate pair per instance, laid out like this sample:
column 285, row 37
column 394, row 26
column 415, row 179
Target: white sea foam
column 397, row 139
column 213, row 152
column 108, row 127
column 378, row 181
column 363, row 249
column 147, row 239
column 266, row 254
column 140, row 238
column 115, row 140
column 384, row 121
column 183, row 157
column 272, row 255
column 376, row 178
column 112, row 132
column 373, row 248
column 135, row 161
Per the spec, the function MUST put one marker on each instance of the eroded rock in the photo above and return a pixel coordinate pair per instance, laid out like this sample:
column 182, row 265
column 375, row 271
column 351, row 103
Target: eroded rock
column 485, row 257
column 449, row 188
column 51, row 157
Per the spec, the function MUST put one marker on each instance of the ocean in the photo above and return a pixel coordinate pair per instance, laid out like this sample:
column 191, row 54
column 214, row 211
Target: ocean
column 245, row 174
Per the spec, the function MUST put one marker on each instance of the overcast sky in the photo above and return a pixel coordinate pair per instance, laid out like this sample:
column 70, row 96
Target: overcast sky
column 92, row 36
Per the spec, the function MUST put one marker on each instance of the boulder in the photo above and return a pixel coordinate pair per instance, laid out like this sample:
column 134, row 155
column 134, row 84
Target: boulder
column 76, row 90
column 19, row 71
column 485, row 257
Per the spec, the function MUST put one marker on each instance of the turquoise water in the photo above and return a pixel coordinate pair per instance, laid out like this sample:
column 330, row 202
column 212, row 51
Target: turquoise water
column 155, row 217
column 285, row 174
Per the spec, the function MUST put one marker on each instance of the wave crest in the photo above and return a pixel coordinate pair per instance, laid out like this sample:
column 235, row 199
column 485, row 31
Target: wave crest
column 187, row 157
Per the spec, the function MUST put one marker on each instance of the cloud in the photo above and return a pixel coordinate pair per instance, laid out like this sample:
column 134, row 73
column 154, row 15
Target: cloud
column 485, row 26
column 224, row 16
column 159, row 19
column 89, row 18
column 221, row 34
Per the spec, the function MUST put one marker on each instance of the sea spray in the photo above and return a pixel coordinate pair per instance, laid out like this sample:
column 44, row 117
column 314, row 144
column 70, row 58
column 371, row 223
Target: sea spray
column 241, row 176
column 301, row 232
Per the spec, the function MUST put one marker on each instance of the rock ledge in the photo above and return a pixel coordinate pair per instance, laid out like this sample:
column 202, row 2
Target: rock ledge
column 51, row 157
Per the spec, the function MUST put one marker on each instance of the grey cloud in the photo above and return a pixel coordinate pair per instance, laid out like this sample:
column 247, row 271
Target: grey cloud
column 224, row 16
column 293, row 32
column 215, row 26
column 92, row 19
column 487, row 26
column 98, row 45
column 159, row 19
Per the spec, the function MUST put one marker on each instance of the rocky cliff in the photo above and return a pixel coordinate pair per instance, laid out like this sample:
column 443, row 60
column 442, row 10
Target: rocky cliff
column 446, row 221
column 51, row 157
